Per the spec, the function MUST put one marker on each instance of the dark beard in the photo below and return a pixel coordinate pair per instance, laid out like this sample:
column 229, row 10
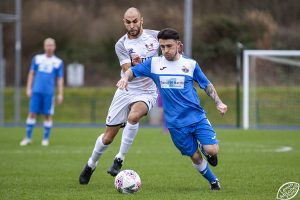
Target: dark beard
column 137, row 32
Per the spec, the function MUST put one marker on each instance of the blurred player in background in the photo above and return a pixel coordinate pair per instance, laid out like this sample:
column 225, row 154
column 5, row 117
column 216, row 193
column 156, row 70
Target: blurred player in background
column 136, row 46
column 186, row 120
column 46, row 70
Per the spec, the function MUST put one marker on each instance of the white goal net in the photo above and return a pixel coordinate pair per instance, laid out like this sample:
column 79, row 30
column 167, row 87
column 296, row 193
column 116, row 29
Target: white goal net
column 271, row 88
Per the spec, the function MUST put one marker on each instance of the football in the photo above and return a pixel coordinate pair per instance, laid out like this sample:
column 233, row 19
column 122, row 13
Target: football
column 127, row 182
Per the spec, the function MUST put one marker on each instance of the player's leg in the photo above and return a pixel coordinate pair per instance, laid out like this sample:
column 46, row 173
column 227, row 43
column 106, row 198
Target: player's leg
column 137, row 111
column 140, row 106
column 48, row 111
column 208, row 141
column 202, row 167
column 101, row 145
column 47, row 130
column 117, row 115
column 34, row 108
column 184, row 140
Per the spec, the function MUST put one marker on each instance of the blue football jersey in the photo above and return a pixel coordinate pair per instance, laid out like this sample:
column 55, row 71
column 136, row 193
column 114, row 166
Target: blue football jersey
column 46, row 70
column 175, row 81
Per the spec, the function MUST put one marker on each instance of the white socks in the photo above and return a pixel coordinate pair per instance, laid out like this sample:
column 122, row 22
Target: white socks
column 128, row 136
column 201, row 166
column 97, row 152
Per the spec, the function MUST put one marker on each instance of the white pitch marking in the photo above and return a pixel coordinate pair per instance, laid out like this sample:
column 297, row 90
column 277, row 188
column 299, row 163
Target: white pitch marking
column 283, row 149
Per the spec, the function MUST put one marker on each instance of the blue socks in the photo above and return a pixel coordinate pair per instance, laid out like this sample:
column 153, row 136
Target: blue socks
column 30, row 123
column 47, row 129
column 206, row 172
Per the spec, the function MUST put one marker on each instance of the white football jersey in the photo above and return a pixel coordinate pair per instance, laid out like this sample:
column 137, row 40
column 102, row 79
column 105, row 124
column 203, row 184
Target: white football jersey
column 146, row 46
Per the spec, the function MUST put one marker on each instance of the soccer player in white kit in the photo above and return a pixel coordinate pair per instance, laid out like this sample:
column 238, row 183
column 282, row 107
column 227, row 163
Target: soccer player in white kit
column 127, row 107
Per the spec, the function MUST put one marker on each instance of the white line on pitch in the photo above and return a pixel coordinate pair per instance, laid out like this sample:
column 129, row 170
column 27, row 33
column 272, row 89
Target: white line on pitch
column 283, row 149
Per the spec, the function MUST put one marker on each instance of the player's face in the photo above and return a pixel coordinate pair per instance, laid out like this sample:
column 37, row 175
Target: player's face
column 133, row 24
column 169, row 48
column 49, row 47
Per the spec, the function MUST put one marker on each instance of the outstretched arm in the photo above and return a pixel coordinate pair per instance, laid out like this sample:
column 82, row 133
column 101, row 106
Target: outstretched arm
column 211, row 91
column 123, row 82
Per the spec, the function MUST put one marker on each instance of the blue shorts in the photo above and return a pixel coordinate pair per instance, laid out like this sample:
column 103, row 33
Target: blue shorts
column 186, row 138
column 41, row 104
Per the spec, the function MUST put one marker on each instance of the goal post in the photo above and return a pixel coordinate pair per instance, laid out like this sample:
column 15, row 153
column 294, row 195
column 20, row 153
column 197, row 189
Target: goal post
column 285, row 62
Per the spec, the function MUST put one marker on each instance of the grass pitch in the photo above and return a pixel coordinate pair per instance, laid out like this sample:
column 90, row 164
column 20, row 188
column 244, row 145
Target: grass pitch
column 252, row 165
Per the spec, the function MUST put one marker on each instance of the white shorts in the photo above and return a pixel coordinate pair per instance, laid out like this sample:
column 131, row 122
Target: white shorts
column 121, row 103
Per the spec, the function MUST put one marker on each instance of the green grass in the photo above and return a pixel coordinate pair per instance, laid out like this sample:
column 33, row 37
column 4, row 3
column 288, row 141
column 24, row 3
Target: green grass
column 249, row 167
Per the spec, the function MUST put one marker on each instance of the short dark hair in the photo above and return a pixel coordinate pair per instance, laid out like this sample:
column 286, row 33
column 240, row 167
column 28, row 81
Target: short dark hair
column 168, row 33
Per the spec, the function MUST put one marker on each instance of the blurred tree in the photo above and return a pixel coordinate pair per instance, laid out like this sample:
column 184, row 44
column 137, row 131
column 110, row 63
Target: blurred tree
column 86, row 31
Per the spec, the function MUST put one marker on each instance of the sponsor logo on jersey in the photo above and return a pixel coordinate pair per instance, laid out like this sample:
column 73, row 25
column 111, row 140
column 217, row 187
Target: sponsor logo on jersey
column 46, row 68
column 130, row 51
column 172, row 82
column 185, row 69
column 162, row 68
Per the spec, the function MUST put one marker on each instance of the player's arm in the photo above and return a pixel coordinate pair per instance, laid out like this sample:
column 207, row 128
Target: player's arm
column 29, row 83
column 143, row 69
column 126, row 60
column 212, row 93
column 123, row 82
column 60, row 90
column 208, row 87
column 125, row 67
column 60, row 83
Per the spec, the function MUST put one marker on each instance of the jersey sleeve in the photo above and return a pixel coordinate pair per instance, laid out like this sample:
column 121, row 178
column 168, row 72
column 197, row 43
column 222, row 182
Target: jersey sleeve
column 60, row 70
column 142, row 69
column 34, row 66
column 122, row 53
column 200, row 77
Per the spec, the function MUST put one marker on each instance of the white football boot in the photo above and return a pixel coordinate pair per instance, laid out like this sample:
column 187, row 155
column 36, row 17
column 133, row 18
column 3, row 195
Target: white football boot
column 25, row 142
column 45, row 143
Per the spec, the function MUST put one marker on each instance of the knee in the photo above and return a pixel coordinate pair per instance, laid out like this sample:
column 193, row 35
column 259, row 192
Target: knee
column 212, row 149
column 107, row 139
column 32, row 115
column 134, row 117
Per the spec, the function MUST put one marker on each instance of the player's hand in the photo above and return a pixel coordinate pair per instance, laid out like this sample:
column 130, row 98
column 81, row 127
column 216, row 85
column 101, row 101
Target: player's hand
column 136, row 59
column 123, row 83
column 222, row 108
column 59, row 98
column 28, row 92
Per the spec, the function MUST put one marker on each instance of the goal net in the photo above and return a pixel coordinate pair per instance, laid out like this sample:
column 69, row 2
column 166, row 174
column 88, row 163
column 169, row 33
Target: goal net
column 271, row 89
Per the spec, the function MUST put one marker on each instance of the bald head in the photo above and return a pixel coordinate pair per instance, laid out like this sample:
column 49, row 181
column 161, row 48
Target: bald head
column 132, row 12
column 133, row 22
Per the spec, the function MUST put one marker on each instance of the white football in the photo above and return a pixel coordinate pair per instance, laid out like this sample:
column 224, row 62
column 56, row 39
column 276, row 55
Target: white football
column 127, row 181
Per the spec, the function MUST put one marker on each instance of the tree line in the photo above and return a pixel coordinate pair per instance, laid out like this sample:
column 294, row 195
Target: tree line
column 86, row 31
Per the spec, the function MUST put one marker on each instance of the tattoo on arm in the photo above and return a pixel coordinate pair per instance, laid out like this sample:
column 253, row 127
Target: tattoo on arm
column 211, row 91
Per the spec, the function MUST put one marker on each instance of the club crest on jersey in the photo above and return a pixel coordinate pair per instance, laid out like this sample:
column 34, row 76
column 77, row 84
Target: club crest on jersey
column 150, row 47
column 185, row 69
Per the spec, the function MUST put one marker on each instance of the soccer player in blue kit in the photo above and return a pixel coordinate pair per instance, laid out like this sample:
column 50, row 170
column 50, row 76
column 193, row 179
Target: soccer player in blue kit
column 46, row 70
column 186, row 120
